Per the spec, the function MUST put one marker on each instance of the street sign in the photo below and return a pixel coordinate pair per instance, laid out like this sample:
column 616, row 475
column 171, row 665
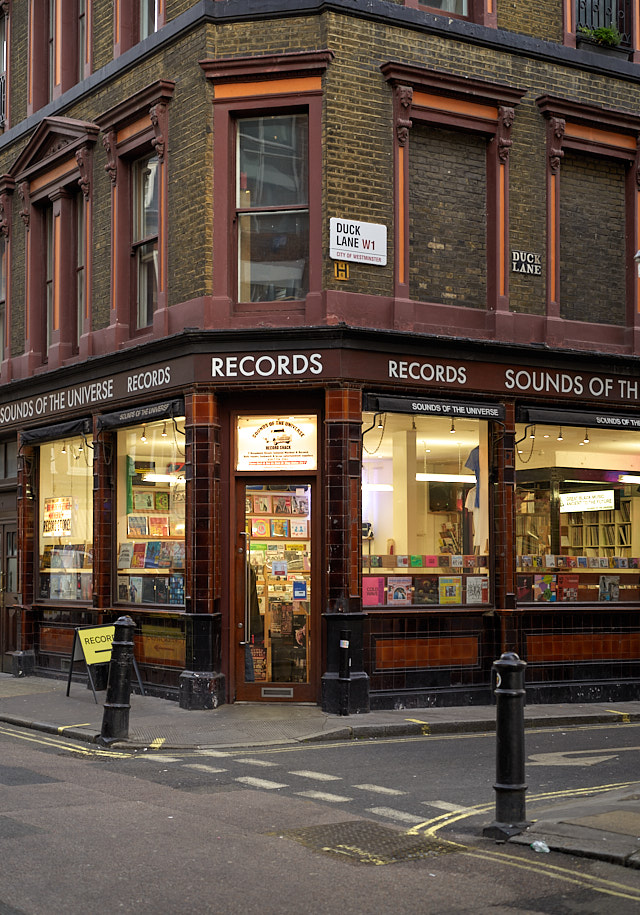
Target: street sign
column 364, row 242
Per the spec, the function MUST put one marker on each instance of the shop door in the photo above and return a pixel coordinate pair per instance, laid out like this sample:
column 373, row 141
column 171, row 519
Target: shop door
column 276, row 595
column 8, row 594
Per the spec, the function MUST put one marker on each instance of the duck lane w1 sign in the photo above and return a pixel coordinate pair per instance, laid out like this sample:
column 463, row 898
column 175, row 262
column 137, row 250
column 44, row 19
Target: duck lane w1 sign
column 364, row 242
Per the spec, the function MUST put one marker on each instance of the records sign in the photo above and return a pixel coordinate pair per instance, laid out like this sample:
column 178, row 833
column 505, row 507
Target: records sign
column 56, row 517
column 277, row 443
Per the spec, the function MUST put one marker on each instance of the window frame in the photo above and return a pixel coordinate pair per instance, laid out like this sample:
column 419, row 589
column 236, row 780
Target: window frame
column 256, row 86
column 482, row 12
column 61, row 180
column 240, row 212
column 5, row 47
column 477, row 107
column 605, row 133
column 127, row 30
column 131, row 131
column 56, row 60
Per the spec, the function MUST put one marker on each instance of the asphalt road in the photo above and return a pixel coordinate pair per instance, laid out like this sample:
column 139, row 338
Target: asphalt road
column 373, row 826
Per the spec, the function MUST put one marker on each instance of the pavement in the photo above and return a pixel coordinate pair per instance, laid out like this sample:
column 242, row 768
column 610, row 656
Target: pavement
column 601, row 824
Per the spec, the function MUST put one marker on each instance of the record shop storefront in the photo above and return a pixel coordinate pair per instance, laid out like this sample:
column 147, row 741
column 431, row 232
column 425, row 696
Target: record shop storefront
column 248, row 500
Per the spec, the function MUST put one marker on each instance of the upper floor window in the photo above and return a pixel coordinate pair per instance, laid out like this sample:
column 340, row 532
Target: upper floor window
column 145, row 237
column 481, row 11
column 601, row 24
column 3, row 295
column 4, row 47
column 135, row 20
column 135, row 134
column 55, row 188
column 59, row 36
column 267, row 120
column 272, row 207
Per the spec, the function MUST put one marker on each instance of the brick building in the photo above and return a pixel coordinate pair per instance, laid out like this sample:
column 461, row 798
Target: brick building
column 322, row 318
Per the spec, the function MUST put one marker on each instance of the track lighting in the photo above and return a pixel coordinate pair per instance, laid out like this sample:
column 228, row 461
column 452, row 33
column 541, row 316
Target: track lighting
column 164, row 429
column 143, row 437
column 560, row 438
column 452, row 430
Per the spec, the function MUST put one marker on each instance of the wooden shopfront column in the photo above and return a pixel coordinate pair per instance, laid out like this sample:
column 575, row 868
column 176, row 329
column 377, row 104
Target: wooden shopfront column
column 343, row 512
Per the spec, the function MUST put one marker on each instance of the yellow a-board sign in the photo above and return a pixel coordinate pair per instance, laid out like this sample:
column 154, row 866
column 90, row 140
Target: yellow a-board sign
column 96, row 643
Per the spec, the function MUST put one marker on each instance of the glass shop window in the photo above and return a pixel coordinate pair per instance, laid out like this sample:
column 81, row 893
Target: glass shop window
column 425, row 511
column 151, row 492
column 577, row 520
column 65, row 506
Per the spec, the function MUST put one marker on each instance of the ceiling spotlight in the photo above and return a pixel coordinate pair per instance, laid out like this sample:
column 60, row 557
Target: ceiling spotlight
column 452, row 430
column 586, row 437
column 164, row 429
column 380, row 423
column 64, row 448
column 560, row 438
column 532, row 434
column 143, row 437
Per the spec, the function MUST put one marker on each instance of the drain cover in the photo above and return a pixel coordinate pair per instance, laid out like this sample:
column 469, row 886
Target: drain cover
column 365, row 842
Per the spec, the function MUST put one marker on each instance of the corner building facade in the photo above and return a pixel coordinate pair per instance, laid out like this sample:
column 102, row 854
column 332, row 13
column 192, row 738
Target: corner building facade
column 322, row 338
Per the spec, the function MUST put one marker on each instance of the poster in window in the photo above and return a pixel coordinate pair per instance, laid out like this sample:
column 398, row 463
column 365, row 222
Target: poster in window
column 545, row 588
column 161, row 501
column 300, row 505
column 135, row 589
column 56, row 517
column 477, row 588
column 152, row 554
column 143, row 501
column 125, row 555
column 158, row 526
column 450, row 589
column 279, row 527
column 262, row 504
column 282, row 505
column 139, row 552
column 137, row 526
column 426, row 589
column 299, row 528
column 609, row 588
column 568, row 587
column 140, row 471
column 399, row 591
column 372, row 590
column 259, row 527
column 123, row 587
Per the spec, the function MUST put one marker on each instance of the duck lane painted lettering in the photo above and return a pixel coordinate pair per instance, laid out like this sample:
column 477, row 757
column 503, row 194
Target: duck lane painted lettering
column 365, row 242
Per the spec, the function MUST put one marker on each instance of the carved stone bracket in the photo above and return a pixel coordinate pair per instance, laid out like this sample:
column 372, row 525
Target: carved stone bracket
column 109, row 143
column 503, row 132
column 25, row 212
column 83, row 158
column 159, row 114
column 555, row 135
column 6, row 194
column 402, row 99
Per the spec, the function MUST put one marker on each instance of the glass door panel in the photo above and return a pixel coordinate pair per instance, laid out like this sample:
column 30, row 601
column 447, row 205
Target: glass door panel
column 277, row 592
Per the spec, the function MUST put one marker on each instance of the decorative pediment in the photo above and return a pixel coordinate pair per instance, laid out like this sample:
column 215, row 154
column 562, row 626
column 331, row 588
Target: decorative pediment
column 54, row 141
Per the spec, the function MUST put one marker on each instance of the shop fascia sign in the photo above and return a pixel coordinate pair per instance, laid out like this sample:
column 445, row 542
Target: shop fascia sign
column 364, row 242
column 88, row 395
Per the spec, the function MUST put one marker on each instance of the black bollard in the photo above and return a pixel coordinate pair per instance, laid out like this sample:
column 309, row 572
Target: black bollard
column 511, row 817
column 344, row 670
column 115, row 719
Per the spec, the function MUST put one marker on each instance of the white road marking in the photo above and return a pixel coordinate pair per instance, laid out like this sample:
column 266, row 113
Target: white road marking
column 443, row 805
column 212, row 753
column 254, row 762
column 158, row 757
column 260, row 783
column 398, row 815
column 323, row 796
column 202, row 767
column 379, row 789
column 319, row 776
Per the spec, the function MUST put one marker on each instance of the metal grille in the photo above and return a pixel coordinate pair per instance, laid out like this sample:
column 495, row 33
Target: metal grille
column 366, row 842
column 595, row 14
